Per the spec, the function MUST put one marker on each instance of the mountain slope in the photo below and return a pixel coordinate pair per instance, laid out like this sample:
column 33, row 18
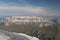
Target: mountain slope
column 4, row 35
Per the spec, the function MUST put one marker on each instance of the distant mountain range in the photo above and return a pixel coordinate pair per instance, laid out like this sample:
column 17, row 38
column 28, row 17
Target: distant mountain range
column 56, row 17
column 30, row 19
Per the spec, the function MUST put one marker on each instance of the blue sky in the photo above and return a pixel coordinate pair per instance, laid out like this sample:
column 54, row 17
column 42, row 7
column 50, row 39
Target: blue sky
column 30, row 7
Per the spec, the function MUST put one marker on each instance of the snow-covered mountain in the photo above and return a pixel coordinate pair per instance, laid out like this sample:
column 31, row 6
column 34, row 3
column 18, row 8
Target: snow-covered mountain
column 29, row 19
column 4, row 35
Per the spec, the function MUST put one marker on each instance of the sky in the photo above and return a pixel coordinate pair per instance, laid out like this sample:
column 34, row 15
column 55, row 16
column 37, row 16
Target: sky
column 30, row 8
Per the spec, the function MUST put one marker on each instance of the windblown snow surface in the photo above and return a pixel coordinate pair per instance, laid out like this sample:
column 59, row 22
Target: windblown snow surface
column 4, row 35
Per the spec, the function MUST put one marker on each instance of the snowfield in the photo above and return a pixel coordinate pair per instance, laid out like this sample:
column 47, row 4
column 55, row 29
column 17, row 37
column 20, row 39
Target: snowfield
column 4, row 35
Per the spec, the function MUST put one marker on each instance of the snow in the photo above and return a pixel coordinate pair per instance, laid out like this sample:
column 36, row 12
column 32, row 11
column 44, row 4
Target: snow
column 29, row 37
column 4, row 37
column 15, row 36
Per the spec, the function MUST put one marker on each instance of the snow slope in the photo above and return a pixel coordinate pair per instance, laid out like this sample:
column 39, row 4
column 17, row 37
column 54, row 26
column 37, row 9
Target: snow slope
column 4, row 35
column 29, row 37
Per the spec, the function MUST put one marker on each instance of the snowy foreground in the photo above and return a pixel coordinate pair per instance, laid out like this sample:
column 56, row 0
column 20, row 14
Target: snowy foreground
column 4, row 35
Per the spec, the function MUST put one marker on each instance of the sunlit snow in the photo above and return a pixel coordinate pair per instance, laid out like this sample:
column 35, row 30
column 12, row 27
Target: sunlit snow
column 15, row 36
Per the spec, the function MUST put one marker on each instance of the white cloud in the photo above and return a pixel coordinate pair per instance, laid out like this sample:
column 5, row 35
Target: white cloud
column 28, row 9
column 16, row 10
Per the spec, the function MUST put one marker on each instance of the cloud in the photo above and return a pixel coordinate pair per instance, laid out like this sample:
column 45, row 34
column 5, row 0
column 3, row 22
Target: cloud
column 16, row 9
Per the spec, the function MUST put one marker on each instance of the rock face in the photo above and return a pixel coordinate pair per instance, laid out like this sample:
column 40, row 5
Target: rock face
column 4, row 35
